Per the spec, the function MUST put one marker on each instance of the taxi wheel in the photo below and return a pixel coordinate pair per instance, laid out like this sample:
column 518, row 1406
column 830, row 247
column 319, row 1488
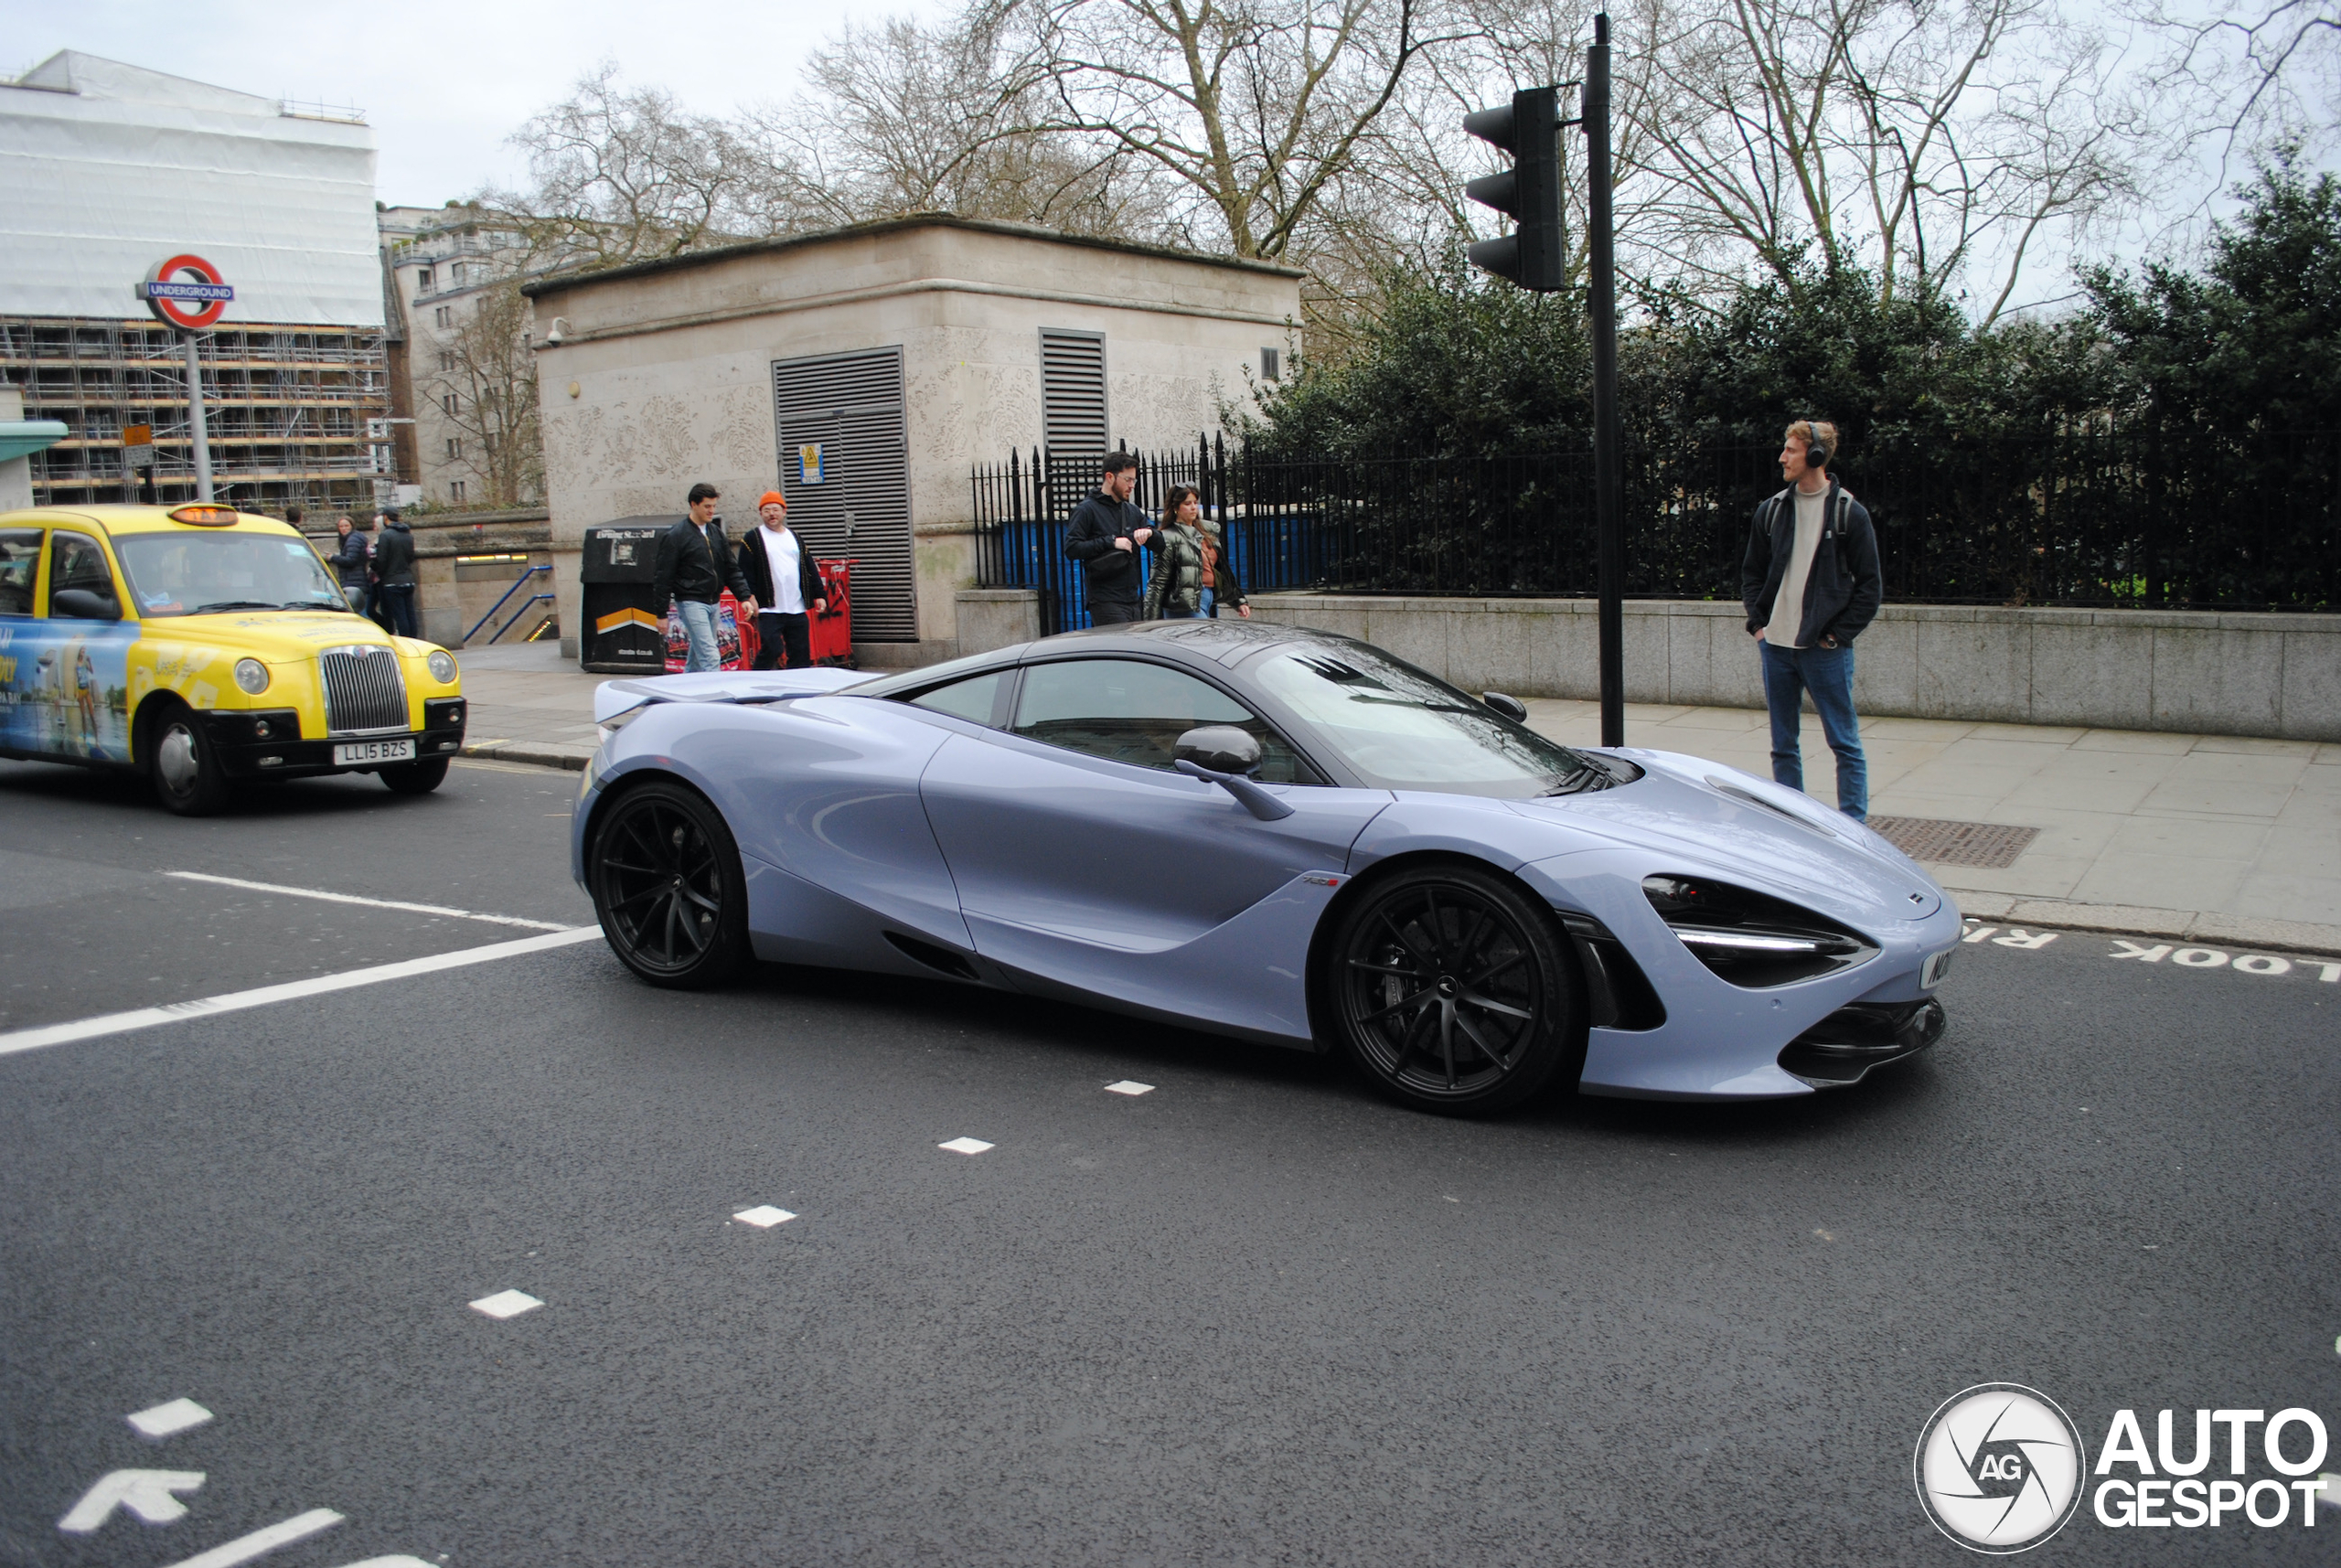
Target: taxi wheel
column 667, row 883
column 416, row 778
column 185, row 769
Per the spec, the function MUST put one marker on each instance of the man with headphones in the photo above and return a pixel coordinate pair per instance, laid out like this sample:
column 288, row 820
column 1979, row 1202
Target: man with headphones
column 1811, row 585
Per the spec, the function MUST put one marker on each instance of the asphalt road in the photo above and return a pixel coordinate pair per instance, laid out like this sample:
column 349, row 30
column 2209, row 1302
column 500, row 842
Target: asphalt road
column 1253, row 1316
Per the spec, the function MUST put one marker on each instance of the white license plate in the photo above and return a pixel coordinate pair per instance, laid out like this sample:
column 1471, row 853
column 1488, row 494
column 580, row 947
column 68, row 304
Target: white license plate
column 1937, row 965
column 349, row 751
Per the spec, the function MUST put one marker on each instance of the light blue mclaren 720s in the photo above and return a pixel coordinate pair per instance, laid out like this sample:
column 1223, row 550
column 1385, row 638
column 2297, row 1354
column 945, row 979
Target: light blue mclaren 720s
column 1273, row 833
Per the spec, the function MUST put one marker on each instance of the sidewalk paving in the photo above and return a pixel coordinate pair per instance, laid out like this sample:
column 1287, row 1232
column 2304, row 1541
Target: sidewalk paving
column 2211, row 837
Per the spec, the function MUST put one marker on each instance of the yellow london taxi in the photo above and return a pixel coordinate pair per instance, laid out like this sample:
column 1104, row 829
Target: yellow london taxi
column 204, row 646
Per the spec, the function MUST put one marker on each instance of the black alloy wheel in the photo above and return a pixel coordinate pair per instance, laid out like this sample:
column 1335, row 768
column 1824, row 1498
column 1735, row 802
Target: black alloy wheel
column 416, row 778
column 1455, row 992
column 668, row 887
column 185, row 771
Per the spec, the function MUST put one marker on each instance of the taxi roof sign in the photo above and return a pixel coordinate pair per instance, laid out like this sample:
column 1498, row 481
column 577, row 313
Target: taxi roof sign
column 205, row 516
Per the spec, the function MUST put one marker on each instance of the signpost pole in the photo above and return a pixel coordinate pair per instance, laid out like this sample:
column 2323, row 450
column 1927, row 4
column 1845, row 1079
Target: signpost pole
column 197, row 437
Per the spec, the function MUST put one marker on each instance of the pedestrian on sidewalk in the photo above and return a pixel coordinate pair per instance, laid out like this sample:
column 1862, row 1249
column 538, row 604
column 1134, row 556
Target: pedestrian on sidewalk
column 394, row 576
column 1192, row 578
column 352, row 553
column 1811, row 585
column 1106, row 535
column 781, row 573
column 695, row 566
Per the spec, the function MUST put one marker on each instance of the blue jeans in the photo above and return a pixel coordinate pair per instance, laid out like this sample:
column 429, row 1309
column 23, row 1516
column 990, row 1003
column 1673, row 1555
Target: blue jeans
column 1202, row 607
column 1828, row 674
column 699, row 625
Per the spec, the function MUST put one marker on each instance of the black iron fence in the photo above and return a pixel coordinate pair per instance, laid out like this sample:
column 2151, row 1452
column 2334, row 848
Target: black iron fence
column 2116, row 520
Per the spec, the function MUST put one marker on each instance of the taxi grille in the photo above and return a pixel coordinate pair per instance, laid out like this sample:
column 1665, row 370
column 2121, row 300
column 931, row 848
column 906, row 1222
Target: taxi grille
column 365, row 690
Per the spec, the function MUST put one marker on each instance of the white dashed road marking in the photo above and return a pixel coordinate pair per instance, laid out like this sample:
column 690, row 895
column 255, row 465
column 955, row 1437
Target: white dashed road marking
column 966, row 1146
column 764, row 1214
column 245, row 1548
column 320, row 894
column 1129, row 1086
column 235, row 1001
column 506, row 1304
column 165, row 1420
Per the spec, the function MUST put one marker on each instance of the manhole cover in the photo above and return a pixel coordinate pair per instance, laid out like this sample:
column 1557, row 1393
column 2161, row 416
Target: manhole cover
column 1983, row 844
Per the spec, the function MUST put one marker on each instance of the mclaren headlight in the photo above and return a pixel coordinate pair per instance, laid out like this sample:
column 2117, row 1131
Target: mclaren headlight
column 1749, row 938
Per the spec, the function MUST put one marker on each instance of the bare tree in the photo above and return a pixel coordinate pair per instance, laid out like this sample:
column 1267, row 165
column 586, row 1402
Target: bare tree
column 1253, row 108
column 621, row 176
column 2261, row 75
column 487, row 391
column 1934, row 140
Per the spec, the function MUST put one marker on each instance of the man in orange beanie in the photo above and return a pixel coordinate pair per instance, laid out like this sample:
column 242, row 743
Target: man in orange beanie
column 784, row 580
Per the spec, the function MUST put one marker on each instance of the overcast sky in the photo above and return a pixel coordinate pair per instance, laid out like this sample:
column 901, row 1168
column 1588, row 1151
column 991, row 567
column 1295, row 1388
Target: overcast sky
column 441, row 82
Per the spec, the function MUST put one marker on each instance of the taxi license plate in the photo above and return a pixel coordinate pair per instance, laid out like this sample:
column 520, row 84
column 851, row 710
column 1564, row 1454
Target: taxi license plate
column 1937, row 965
column 399, row 751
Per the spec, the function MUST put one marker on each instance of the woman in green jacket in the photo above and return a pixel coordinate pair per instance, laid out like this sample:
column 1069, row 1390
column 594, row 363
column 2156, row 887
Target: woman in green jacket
column 1193, row 578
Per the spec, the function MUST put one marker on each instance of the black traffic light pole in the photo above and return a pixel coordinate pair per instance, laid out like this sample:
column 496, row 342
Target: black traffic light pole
column 1601, row 305
column 1536, row 256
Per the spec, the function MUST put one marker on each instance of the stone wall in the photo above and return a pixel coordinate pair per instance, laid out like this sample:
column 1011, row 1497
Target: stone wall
column 2275, row 675
column 446, row 607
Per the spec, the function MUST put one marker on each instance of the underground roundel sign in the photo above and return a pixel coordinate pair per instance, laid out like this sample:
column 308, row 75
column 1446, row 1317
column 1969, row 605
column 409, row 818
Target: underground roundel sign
column 187, row 291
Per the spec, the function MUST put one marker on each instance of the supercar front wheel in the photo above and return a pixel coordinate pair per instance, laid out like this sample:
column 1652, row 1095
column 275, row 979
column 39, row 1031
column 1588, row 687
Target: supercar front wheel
column 1453, row 991
column 668, row 886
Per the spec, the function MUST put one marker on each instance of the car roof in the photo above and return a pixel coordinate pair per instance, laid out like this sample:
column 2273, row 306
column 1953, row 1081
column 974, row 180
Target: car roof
column 1227, row 642
column 119, row 520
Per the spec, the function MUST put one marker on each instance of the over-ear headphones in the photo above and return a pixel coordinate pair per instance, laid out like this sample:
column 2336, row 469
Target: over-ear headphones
column 1816, row 451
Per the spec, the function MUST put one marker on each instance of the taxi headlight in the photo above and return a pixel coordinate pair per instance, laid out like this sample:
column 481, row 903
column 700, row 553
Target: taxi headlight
column 252, row 676
column 442, row 666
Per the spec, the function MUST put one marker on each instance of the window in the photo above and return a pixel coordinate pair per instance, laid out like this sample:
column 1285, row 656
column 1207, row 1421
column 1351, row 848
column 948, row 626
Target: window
column 446, row 359
column 422, row 279
column 444, row 315
column 456, row 489
column 447, row 402
column 19, row 564
column 1127, row 711
column 189, row 573
column 1271, row 365
column 973, row 699
column 454, row 450
column 1402, row 728
column 459, row 270
column 77, row 560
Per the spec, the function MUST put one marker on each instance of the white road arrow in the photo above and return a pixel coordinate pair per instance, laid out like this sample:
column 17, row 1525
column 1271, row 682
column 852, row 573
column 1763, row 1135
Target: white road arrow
column 146, row 1493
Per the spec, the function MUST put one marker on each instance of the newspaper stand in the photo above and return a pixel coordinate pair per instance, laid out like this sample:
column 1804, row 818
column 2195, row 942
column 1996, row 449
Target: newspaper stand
column 623, row 633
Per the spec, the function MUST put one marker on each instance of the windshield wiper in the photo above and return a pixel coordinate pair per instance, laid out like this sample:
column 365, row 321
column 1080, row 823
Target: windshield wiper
column 1576, row 781
column 236, row 604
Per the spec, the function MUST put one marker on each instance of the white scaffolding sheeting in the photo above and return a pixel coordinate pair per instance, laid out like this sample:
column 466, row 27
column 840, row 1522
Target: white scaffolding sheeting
column 106, row 169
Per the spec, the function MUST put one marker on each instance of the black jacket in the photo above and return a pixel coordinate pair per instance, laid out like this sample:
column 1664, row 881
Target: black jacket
column 1844, row 589
column 695, row 565
column 394, row 557
column 1089, row 539
column 350, row 557
column 756, row 565
column 1176, row 588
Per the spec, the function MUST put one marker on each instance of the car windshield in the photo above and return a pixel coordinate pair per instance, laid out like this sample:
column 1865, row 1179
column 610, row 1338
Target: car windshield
column 1400, row 728
column 197, row 574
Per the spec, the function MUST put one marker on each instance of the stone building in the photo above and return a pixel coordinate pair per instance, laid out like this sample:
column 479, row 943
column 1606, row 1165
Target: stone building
column 863, row 371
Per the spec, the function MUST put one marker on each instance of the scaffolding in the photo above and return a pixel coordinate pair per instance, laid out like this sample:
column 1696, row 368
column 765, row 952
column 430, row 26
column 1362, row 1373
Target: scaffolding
column 286, row 408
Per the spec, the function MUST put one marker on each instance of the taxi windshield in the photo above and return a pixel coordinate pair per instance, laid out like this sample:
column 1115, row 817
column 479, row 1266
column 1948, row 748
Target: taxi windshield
column 203, row 574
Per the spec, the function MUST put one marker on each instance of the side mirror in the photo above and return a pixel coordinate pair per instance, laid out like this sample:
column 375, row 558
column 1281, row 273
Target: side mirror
column 81, row 604
column 1512, row 708
column 1227, row 757
column 1219, row 748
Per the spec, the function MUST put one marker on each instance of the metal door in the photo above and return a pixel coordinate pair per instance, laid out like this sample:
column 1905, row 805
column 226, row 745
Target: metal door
column 845, row 469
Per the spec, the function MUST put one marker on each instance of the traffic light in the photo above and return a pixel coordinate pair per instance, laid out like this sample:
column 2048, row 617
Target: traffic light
column 1535, row 253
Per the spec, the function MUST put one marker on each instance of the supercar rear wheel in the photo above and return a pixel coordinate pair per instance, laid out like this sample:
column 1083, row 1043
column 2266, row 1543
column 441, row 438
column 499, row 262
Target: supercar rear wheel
column 668, row 889
column 1454, row 992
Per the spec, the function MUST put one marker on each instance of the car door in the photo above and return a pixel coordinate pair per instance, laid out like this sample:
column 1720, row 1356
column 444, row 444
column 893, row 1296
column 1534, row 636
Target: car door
column 70, row 681
column 22, row 722
column 1087, row 863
